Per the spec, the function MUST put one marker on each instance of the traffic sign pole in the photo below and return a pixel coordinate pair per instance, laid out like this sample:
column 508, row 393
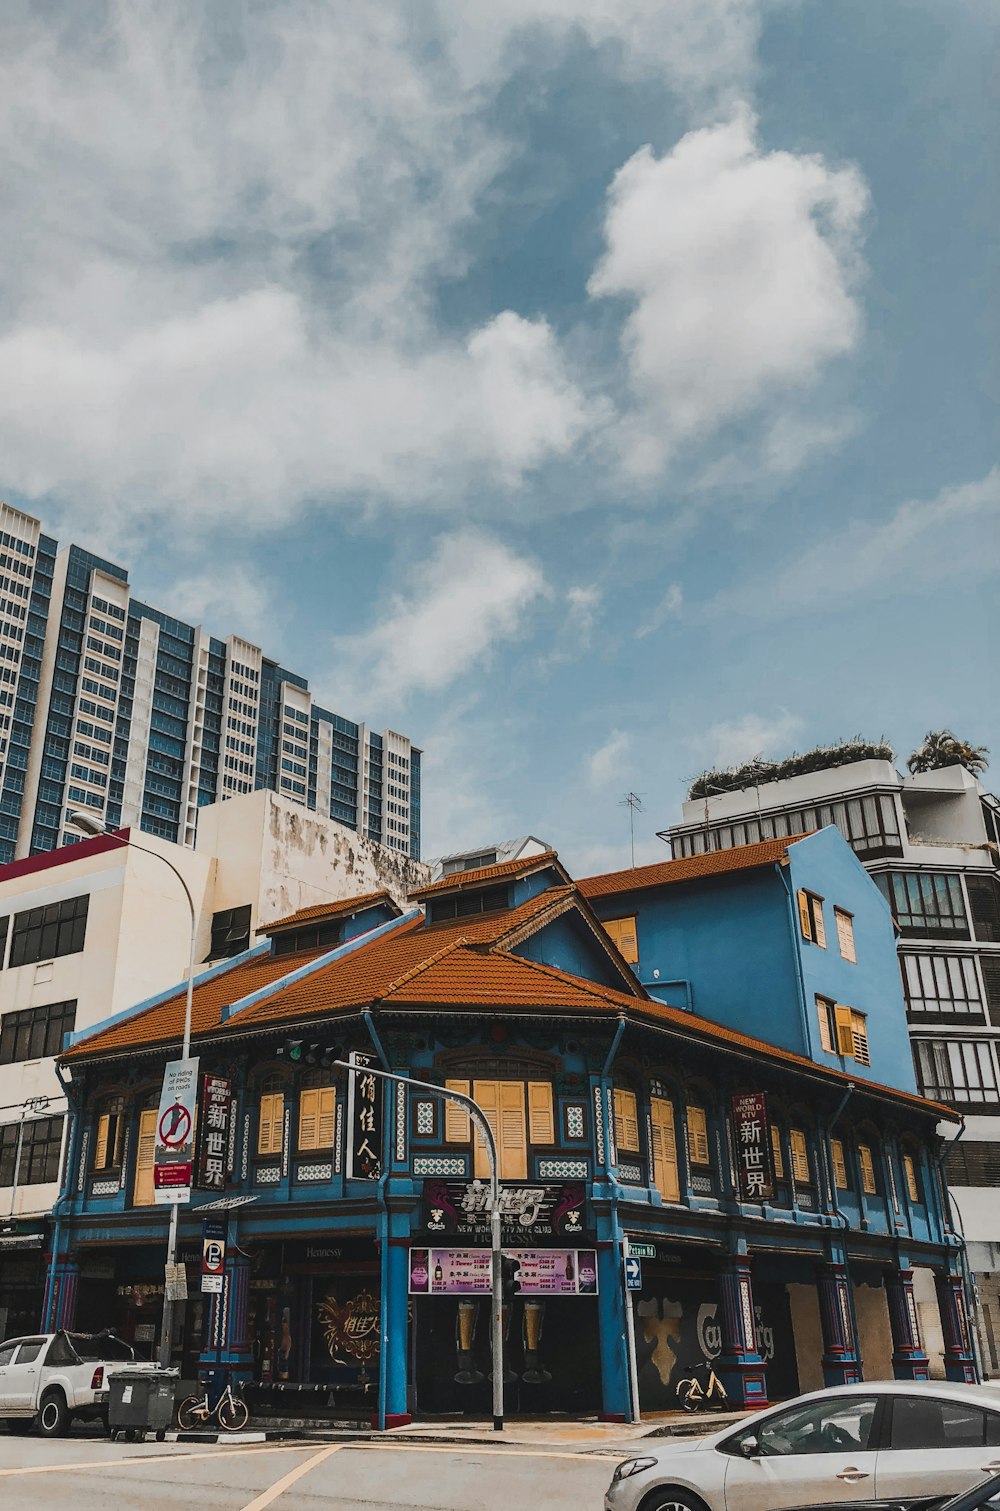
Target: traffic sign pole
column 633, row 1367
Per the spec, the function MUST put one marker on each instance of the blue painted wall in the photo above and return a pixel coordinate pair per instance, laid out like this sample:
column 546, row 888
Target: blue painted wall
column 569, row 945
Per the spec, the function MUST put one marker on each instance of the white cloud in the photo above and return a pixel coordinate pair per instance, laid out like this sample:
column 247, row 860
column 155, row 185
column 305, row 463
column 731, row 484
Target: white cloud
column 669, row 607
column 472, row 593
column 234, row 602
column 732, row 742
column 924, row 541
column 741, row 268
column 605, row 764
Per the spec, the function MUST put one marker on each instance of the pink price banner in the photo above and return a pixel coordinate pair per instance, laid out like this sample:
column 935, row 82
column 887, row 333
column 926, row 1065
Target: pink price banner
column 467, row 1272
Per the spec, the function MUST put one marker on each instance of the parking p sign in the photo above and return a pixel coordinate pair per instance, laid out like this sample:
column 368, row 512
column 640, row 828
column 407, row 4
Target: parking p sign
column 213, row 1254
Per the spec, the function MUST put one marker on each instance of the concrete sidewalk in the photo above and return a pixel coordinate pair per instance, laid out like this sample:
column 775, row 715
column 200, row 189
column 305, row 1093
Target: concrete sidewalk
column 585, row 1433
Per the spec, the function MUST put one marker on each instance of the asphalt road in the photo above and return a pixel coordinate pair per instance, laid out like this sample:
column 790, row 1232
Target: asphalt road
column 88, row 1473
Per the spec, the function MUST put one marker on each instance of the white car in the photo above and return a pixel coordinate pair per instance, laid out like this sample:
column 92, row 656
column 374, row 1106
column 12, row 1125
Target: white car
column 48, row 1380
column 883, row 1443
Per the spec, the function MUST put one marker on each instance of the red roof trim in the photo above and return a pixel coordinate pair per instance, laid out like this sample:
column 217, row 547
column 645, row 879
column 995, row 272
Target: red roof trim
column 116, row 840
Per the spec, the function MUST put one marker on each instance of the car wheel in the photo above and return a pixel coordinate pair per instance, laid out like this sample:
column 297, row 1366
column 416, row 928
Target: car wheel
column 672, row 1498
column 53, row 1415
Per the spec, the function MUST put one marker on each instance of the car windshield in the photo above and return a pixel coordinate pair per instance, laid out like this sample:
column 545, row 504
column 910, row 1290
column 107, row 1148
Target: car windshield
column 819, row 1427
column 91, row 1347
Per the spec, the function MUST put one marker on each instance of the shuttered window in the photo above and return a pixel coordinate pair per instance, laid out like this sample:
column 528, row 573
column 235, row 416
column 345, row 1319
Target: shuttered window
column 626, row 1120
column 868, row 1184
column 800, row 1155
column 811, row 918
column 271, row 1123
column 852, row 1034
column 824, row 1011
column 697, row 1136
column 839, row 1164
column 910, row 1172
column 623, row 933
column 776, row 1154
column 664, row 1151
column 541, row 1116
column 317, row 1116
column 503, row 1104
column 457, row 1122
column 110, row 1128
column 142, row 1191
column 845, row 934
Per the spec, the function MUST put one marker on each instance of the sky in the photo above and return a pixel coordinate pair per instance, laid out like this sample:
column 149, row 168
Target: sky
column 592, row 390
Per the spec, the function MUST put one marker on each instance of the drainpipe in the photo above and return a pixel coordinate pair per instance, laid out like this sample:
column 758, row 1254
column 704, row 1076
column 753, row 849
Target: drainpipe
column 618, row 1237
column 830, row 1175
column 67, row 1161
column 792, row 921
column 945, row 1203
column 387, row 1144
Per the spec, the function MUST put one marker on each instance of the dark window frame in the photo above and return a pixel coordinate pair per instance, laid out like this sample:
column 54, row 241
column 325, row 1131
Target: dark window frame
column 34, row 1033
column 48, row 933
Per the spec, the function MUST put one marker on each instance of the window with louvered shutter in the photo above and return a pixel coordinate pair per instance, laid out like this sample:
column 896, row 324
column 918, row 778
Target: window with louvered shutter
column 868, row 1184
column 664, row 1151
column 626, row 1120
column 824, row 1011
column 859, row 1038
column 776, row 1155
column 541, row 1115
column 623, row 932
column 805, row 917
column 142, row 1190
column 844, row 1018
column 839, row 1164
column 800, row 1155
column 101, row 1147
column 513, row 1131
column 910, row 1172
column 317, row 1113
column 457, row 1122
column 845, row 935
column 270, row 1126
column 697, row 1136
column 487, row 1094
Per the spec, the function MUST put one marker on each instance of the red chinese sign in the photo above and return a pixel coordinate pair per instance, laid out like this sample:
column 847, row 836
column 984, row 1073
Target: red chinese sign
column 752, row 1140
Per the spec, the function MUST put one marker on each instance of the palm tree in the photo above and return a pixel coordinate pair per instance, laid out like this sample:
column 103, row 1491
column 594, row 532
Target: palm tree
column 941, row 748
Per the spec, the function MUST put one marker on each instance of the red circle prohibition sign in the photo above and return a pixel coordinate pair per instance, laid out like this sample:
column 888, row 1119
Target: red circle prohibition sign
column 175, row 1126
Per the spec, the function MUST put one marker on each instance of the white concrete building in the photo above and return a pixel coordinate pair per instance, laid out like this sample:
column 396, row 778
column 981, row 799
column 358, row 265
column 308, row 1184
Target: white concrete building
column 93, row 928
column 932, row 844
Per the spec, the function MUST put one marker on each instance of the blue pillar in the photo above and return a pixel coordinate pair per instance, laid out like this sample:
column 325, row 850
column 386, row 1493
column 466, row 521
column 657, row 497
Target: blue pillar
column 59, row 1304
column 394, row 1353
column 909, row 1361
column 741, row 1368
column 611, row 1321
column 841, row 1352
column 959, row 1361
column 226, row 1351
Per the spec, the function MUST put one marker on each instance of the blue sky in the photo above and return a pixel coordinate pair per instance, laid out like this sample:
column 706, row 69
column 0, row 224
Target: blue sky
column 591, row 391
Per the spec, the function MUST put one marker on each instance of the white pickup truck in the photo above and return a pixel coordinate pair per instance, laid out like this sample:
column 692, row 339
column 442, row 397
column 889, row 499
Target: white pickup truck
column 48, row 1379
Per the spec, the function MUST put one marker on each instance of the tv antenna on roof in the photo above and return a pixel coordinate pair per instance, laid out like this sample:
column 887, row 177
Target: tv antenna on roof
column 633, row 802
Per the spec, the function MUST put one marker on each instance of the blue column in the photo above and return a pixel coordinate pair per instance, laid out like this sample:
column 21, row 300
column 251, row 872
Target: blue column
column 909, row 1361
column 741, row 1368
column 841, row 1353
column 959, row 1360
column 394, row 1353
column 59, row 1304
column 226, row 1349
column 611, row 1321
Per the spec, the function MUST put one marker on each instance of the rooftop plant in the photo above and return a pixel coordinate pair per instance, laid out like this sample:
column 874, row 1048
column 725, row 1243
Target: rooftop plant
column 755, row 772
column 941, row 748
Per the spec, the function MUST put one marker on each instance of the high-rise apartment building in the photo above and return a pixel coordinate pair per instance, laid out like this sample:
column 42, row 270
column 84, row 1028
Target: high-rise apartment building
column 109, row 704
column 931, row 844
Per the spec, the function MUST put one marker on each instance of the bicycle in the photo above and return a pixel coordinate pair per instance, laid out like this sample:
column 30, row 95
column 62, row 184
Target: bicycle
column 230, row 1411
column 691, row 1393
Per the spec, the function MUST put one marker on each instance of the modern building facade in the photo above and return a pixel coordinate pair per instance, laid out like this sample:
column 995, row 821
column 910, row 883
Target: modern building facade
column 88, row 930
column 931, row 844
column 110, row 704
column 615, row 1117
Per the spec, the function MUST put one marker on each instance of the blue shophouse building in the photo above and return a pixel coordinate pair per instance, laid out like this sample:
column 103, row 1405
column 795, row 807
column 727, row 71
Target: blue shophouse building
column 613, row 1030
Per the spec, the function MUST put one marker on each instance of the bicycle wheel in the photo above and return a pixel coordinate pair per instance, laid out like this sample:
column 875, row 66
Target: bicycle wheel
column 189, row 1415
column 233, row 1414
column 688, row 1394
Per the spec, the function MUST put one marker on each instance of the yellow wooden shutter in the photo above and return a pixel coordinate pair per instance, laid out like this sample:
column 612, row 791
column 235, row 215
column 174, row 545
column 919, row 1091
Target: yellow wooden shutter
column 327, row 1116
column 859, row 1038
column 664, row 1152
column 623, row 932
column 486, row 1093
column 457, row 1128
column 142, row 1192
column 844, row 1019
column 101, row 1151
column 805, row 922
column 271, row 1125
column 697, row 1136
column 541, row 1116
column 819, row 927
column 825, row 1031
column 868, row 1184
column 800, row 1154
column 776, row 1155
column 845, row 935
column 910, row 1171
column 513, row 1132
column 309, row 1118
column 626, row 1120
column 839, row 1164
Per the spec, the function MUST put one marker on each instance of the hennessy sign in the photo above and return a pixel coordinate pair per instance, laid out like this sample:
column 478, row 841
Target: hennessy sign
column 365, row 1111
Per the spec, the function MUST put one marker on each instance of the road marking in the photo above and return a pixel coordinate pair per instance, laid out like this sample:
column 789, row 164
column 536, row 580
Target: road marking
column 504, row 1453
column 151, row 1458
column 288, row 1480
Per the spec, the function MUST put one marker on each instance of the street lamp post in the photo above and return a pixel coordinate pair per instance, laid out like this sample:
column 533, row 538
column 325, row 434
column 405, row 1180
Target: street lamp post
column 496, row 1268
column 95, row 827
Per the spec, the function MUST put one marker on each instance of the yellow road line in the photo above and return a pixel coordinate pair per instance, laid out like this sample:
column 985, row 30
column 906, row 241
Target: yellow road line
column 154, row 1458
column 504, row 1453
column 288, row 1480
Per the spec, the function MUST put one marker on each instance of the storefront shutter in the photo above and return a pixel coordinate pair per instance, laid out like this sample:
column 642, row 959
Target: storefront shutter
column 142, row 1193
column 513, row 1131
column 626, row 1120
column 665, row 1177
column 697, row 1136
column 541, row 1117
column 456, row 1119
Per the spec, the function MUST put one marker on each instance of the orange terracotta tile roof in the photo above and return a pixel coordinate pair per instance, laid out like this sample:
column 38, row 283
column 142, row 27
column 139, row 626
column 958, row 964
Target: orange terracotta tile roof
column 461, row 977
column 459, row 879
column 330, row 910
column 742, row 858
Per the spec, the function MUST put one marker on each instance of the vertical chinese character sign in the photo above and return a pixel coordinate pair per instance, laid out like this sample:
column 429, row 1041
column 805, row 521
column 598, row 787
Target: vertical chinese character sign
column 752, row 1137
column 364, row 1119
column 213, row 1132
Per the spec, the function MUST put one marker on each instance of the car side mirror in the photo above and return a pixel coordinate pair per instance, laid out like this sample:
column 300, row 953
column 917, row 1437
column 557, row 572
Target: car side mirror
column 749, row 1447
